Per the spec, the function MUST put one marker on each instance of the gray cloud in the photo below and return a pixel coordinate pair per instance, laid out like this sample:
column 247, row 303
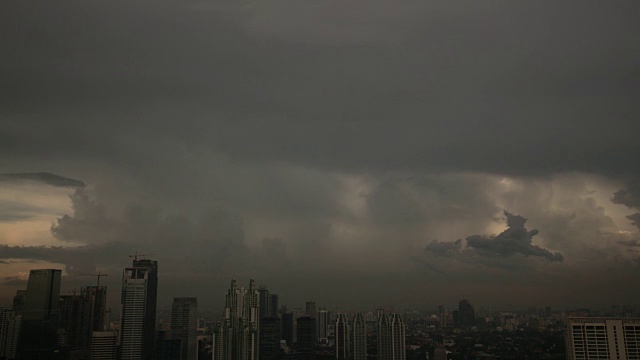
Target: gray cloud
column 43, row 177
column 515, row 240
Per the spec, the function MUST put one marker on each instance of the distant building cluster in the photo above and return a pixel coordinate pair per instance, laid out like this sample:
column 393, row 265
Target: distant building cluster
column 43, row 324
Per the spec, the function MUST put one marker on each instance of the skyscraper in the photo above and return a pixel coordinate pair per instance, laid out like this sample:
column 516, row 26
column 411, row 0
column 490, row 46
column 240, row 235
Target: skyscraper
column 602, row 338
column 358, row 337
column 306, row 338
column 323, row 320
column 342, row 337
column 40, row 315
column 287, row 328
column 237, row 338
column 184, row 325
column 6, row 316
column 391, row 337
column 270, row 338
column 75, row 323
column 138, row 317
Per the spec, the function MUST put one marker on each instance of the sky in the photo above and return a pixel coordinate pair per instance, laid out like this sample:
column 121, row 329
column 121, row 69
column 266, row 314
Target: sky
column 355, row 153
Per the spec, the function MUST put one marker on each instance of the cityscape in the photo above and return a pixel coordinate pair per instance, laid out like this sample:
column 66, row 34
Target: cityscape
column 319, row 180
column 43, row 324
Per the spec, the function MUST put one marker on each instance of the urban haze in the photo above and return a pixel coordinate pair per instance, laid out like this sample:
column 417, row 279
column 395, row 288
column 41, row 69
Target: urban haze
column 356, row 153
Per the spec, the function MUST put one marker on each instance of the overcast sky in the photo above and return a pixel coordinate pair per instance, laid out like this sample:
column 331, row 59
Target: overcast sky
column 356, row 153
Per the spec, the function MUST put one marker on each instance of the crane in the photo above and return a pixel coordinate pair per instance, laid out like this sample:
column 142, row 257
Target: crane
column 99, row 274
column 136, row 254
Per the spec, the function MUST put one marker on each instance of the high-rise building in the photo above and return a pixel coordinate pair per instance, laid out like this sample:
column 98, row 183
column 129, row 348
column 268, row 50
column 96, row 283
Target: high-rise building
column 18, row 301
column 6, row 316
column 270, row 335
column 358, row 337
column 323, row 320
column 466, row 313
column 306, row 338
column 287, row 328
column 274, row 305
column 342, row 337
column 138, row 313
column 40, row 315
column 310, row 309
column 266, row 309
column 391, row 337
column 602, row 338
column 238, row 337
column 103, row 345
column 184, row 325
column 74, row 321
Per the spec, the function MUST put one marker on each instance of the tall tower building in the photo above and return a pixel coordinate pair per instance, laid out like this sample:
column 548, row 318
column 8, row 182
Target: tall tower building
column 323, row 320
column 602, row 338
column 391, row 337
column 270, row 335
column 40, row 315
column 6, row 316
column 358, row 337
column 342, row 337
column 184, row 326
column 75, row 323
column 306, row 338
column 274, row 305
column 287, row 328
column 138, row 314
column 238, row 337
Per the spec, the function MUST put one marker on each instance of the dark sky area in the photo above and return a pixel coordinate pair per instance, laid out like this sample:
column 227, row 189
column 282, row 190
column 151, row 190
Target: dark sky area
column 356, row 153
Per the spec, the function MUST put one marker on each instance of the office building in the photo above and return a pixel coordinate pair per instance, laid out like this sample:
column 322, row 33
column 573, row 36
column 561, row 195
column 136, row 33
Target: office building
column 138, row 314
column 103, row 345
column 270, row 335
column 391, row 337
column 602, row 338
column 323, row 319
column 184, row 325
column 40, row 315
column 74, row 324
column 342, row 337
column 287, row 328
column 306, row 338
column 18, row 301
column 7, row 315
column 266, row 309
column 358, row 338
column 274, row 305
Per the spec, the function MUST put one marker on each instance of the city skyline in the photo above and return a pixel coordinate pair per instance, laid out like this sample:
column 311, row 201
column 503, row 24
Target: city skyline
column 355, row 153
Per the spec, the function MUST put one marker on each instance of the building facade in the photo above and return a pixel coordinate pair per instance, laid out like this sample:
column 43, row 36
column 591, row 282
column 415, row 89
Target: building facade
column 391, row 337
column 184, row 325
column 342, row 337
column 603, row 338
column 358, row 337
column 138, row 311
column 40, row 315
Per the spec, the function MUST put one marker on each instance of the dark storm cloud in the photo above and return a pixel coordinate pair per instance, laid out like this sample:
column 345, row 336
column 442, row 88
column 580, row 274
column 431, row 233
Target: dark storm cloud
column 43, row 177
column 358, row 85
column 630, row 197
column 515, row 240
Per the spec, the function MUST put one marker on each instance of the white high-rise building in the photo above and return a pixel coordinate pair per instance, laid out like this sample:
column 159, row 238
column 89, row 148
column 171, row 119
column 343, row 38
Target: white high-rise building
column 391, row 337
column 137, row 322
column 184, row 326
column 358, row 338
column 324, row 318
column 603, row 338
